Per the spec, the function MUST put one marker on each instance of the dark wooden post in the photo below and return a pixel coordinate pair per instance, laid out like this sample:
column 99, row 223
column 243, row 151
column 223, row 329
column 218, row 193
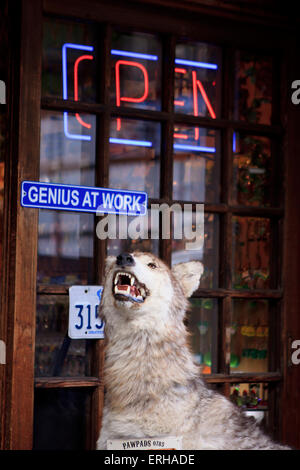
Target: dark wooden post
column 23, row 223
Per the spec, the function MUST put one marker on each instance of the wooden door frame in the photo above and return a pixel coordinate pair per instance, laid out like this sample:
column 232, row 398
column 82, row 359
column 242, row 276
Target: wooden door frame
column 290, row 397
column 19, row 296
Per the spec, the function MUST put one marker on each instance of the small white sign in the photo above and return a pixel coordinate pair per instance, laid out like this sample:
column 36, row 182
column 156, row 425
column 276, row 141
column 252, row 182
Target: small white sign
column 84, row 322
column 155, row 443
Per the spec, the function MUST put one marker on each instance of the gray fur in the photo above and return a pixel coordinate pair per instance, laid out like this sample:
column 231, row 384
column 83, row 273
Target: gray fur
column 153, row 387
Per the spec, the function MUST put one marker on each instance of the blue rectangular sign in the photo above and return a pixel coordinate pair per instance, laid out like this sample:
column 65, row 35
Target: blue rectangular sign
column 83, row 198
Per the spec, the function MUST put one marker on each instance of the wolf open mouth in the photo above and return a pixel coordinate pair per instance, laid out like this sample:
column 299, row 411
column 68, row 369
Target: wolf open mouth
column 126, row 287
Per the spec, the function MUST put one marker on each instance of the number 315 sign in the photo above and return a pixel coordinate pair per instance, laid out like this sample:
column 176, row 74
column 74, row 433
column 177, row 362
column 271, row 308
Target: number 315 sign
column 84, row 322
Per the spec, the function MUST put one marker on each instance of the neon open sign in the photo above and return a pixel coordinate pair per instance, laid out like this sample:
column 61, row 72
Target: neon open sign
column 132, row 60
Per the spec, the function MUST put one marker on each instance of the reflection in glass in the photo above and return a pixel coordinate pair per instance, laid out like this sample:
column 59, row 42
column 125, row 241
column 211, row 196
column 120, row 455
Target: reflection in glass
column 63, row 158
column 253, row 88
column 253, row 400
column 249, row 336
column 135, row 71
column 55, row 353
column 252, row 170
column 197, row 80
column 203, row 326
column 208, row 255
column 196, row 173
column 251, row 253
column 135, row 233
column 65, row 246
column 134, row 156
column 69, row 72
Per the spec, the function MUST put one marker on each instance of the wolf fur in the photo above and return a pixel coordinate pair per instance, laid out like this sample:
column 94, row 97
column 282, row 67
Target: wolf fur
column 153, row 387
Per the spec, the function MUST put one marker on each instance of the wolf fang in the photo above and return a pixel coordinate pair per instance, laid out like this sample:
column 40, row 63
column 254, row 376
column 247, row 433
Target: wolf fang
column 121, row 460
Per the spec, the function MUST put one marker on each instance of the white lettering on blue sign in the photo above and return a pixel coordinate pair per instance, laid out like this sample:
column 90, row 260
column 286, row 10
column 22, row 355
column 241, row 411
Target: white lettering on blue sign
column 83, row 198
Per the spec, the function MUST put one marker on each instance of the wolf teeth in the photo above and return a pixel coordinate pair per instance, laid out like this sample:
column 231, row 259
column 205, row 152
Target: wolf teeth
column 128, row 275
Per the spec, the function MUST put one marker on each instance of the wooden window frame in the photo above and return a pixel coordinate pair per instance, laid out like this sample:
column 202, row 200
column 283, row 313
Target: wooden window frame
column 21, row 258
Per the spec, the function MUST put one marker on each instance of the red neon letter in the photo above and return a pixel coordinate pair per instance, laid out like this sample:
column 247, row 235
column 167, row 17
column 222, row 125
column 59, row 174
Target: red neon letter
column 179, row 102
column 120, row 98
column 83, row 57
column 195, row 98
column 180, row 136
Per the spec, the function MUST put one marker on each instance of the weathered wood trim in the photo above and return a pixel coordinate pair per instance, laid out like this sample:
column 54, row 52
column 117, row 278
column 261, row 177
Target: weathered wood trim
column 23, row 236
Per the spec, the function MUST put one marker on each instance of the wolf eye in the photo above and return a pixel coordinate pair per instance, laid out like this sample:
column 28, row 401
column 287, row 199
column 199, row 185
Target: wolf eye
column 152, row 265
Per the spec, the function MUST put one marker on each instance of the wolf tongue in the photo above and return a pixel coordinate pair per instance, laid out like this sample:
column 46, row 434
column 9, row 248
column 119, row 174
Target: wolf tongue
column 128, row 290
column 134, row 291
column 124, row 288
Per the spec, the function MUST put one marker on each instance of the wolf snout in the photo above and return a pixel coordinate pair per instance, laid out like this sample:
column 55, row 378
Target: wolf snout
column 125, row 259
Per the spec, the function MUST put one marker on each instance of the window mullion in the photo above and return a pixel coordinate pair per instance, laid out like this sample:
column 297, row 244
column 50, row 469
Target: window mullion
column 102, row 180
column 166, row 162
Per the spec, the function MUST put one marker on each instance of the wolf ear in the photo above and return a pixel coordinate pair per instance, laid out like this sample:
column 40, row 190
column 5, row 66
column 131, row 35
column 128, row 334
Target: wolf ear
column 188, row 275
column 108, row 263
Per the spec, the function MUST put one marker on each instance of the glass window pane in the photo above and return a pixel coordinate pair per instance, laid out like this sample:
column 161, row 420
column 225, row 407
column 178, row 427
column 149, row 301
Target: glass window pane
column 253, row 399
column 198, row 80
column 251, row 253
column 253, row 88
column 249, row 336
column 203, row 326
column 136, row 70
column 61, row 418
column 196, row 171
column 65, row 248
column 134, row 233
column 252, row 170
column 134, row 156
column 209, row 255
column 69, row 61
column 55, row 353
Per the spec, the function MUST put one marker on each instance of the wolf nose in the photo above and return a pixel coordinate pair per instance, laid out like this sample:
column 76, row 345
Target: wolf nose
column 125, row 259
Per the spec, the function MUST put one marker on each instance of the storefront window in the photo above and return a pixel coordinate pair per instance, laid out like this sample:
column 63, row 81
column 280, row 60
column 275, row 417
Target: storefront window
column 252, row 170
column 69, row 61
column 249, row 336
column 134, row 156
column 135, row 71
column 253, row 88
column 197, row 79
column 196, row 172
column 134, row 233
column 251, row 253
column 183, row 135
column 202, row 323
column 208, row 254
column 66, row 239
column 56, row 354
column 66, row 242
column 253, row 400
